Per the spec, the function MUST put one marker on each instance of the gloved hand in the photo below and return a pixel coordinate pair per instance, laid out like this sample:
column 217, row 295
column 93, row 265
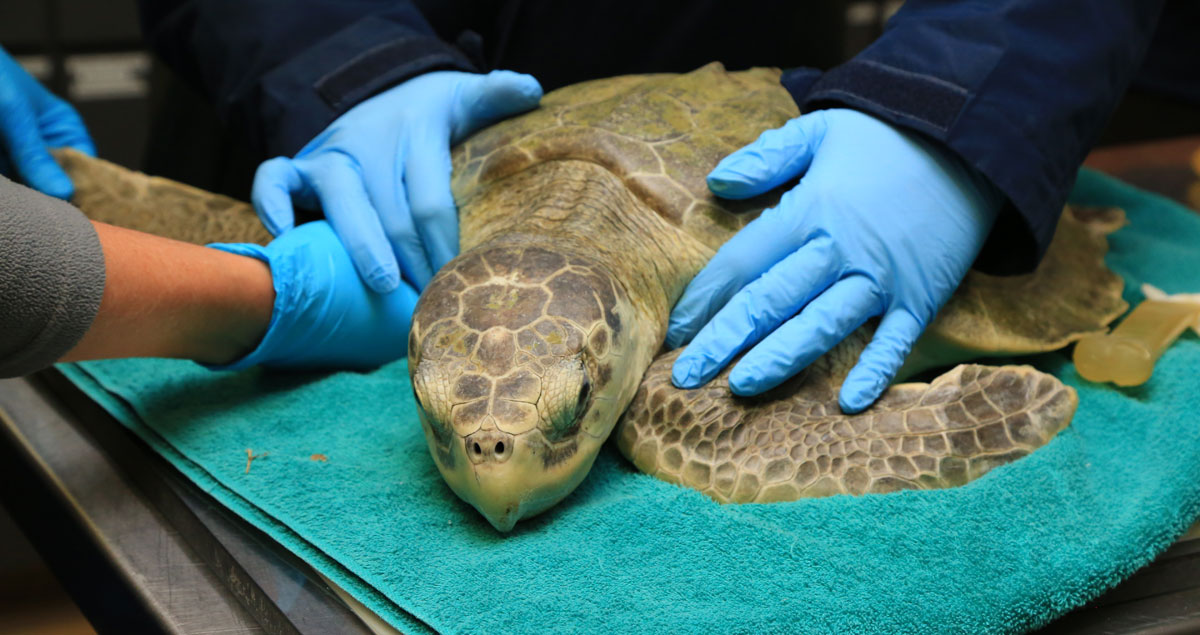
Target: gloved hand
column 324, row 316
column 31, row 122
column 882, row 223
column 381, row 171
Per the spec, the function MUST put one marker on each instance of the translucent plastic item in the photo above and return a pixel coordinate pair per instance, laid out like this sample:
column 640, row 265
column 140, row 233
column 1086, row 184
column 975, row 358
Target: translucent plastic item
column 1126, row 356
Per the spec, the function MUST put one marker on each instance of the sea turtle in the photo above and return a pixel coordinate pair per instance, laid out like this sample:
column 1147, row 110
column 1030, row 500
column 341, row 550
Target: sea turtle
column 583, row 221
column 581, row 224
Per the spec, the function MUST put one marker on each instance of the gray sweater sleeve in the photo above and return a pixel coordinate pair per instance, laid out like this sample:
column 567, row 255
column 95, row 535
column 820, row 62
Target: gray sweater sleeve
column 51, row 278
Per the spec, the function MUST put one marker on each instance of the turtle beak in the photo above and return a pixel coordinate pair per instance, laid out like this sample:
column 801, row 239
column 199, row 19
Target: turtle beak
column 511, row 484
column 499, row 508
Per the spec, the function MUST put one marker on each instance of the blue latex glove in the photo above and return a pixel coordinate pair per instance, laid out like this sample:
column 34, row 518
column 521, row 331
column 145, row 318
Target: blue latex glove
column 31, row 122
column 324, row 316
column 381, row 171
column 882, row 223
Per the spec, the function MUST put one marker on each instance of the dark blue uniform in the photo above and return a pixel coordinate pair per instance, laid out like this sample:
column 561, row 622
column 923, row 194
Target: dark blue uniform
column 1019, row 89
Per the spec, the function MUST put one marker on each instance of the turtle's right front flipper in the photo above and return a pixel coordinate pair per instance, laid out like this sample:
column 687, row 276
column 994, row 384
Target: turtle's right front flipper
column 111, row 194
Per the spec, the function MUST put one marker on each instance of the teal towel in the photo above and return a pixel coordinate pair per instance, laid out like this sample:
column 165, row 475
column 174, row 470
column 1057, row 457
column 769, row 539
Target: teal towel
column 628, row 553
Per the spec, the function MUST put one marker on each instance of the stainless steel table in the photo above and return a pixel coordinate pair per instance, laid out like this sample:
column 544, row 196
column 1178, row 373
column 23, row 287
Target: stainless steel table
column 141, row 549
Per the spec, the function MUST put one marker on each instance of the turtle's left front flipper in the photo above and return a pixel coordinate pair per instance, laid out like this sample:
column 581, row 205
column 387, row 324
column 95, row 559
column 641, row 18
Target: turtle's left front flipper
column 794, row 442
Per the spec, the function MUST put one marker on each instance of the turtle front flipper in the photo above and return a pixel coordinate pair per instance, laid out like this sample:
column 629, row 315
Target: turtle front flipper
column 794, row 442
column 111, row 194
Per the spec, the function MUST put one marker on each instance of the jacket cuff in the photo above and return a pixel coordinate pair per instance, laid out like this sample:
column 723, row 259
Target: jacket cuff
column 933, row 107
column 303, row 96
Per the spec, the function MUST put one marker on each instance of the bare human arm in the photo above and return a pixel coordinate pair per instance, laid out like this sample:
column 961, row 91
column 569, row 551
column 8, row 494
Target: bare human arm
column 164, row 298
column 297, row 303
column 72, row 289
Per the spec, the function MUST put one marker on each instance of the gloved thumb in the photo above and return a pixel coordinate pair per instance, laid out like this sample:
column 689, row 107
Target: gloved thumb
column 486, row 99
column 775, row 158
column 275, row 183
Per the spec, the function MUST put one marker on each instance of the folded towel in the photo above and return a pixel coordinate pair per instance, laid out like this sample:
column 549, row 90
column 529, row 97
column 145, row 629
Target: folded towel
column 343, row 479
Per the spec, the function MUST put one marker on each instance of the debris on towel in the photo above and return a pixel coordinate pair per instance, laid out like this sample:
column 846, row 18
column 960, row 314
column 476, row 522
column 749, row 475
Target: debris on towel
column 250, row 456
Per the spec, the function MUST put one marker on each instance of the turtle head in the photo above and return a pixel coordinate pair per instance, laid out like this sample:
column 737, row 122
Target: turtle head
column 515, row 357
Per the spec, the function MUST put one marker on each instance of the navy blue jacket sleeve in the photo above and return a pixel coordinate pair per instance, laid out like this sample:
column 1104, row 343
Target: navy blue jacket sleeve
column 1018, row 89
column 279, row 71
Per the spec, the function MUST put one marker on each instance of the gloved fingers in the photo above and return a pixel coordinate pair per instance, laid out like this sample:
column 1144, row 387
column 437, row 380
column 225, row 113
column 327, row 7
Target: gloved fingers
column 427, row 178
column 39, row 170
column 27, row 149
column 822, row 325
column 339, row 186
column 756, row 311
column 278, row 182
column 776, row 157
column 879, row 361
column 391, row 198
column 741, row 260
column 486, row 99
column 62, row 127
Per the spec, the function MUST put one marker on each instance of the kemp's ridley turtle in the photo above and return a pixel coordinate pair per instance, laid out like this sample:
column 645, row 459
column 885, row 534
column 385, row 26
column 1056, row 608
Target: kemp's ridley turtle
column 581, row 224
column 583, row 221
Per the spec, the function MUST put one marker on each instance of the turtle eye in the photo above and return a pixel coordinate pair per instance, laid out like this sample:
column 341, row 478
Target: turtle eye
column 585, row 391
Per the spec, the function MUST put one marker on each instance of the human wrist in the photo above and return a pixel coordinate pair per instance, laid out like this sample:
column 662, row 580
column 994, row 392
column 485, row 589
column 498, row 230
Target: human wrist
column 978, row 187
column 231, row 324
column 990, row 199
column 246, row 337
column 301, row 293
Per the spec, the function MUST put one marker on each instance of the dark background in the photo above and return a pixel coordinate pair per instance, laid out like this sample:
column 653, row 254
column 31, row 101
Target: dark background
column 90, row 51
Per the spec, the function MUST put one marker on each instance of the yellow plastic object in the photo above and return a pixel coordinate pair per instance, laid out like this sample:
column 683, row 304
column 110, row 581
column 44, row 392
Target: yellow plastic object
column 1126, row 356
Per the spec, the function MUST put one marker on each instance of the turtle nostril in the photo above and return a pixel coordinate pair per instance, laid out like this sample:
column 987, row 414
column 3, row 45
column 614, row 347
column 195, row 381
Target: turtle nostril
column 489, row 446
